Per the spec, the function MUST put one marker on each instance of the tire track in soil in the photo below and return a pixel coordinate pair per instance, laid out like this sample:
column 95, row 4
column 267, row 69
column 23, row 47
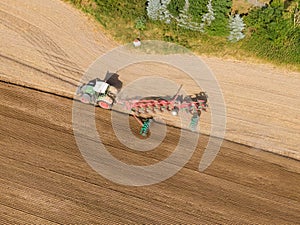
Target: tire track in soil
column 52, row 182
column 10, row 60
column 51, row 52
column 238, row 188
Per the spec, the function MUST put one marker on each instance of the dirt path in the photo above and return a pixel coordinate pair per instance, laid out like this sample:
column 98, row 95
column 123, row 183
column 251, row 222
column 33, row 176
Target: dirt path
column 44, row 178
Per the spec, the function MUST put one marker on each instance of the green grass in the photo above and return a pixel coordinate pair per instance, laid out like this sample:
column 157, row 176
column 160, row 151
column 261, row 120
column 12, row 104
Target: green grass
column 119, row 18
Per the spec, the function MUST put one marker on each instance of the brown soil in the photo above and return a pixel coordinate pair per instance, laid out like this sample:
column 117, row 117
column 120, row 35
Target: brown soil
column 45, row 179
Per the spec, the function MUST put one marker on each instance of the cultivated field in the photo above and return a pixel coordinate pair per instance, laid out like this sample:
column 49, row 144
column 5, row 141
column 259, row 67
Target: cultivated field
column 47, row 46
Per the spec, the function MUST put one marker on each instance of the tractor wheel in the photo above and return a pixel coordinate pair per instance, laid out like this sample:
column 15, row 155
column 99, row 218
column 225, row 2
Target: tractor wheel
column 112, row 92
column 175, row 111
column 105, row 103
column 85, row 98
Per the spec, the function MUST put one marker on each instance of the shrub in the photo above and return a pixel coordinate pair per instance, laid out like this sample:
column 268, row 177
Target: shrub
column 237, row 26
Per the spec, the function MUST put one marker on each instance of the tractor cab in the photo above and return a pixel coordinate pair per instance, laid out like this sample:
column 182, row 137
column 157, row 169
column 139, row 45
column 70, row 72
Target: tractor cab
column 101, row 87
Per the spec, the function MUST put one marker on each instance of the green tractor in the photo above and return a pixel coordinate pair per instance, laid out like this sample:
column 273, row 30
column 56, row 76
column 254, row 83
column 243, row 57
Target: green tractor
column 100, row 92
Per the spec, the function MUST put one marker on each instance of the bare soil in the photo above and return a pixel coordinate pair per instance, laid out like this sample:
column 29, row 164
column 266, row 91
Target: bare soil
column 46, row 180
column 48, row 45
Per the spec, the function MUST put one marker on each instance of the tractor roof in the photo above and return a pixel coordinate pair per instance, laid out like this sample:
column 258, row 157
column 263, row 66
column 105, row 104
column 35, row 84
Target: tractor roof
column 101, row 87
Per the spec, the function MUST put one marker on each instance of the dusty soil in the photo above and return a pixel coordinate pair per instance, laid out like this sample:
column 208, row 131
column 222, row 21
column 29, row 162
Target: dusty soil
column 48, row 46
column 46, row 180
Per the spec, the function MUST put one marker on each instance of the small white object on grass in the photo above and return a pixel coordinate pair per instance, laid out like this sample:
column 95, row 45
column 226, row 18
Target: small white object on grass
column 137, row 42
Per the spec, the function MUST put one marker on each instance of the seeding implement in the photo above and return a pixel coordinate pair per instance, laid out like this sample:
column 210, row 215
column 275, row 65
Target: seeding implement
column 103, row 93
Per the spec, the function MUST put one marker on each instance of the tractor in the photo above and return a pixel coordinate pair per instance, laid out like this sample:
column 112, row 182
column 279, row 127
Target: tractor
column 103, row 93
column 99, row 92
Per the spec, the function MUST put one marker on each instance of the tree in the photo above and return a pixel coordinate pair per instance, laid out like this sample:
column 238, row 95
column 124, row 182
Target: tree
column 209, row 16
column 219, row 26
column 237, row 26
column 197, row 8
column 153, row 9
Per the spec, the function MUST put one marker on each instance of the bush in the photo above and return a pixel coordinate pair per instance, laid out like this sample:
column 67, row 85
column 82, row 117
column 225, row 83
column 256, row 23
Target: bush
column 219, row 27
column 272, row 34
column 270, row 31
column 175, row 6
column 236, row 28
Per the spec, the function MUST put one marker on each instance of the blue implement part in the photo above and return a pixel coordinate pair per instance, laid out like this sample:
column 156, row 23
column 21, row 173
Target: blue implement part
column 194, row 122
column 145, row 128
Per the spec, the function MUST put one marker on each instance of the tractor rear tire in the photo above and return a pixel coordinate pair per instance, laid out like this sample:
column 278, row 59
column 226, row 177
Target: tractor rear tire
column 106, row 103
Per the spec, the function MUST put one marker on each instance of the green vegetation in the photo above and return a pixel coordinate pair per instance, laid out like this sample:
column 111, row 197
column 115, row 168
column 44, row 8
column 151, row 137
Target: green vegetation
column 197, row 9
column 272, row 32
column 175, row 6
column 219, row 26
